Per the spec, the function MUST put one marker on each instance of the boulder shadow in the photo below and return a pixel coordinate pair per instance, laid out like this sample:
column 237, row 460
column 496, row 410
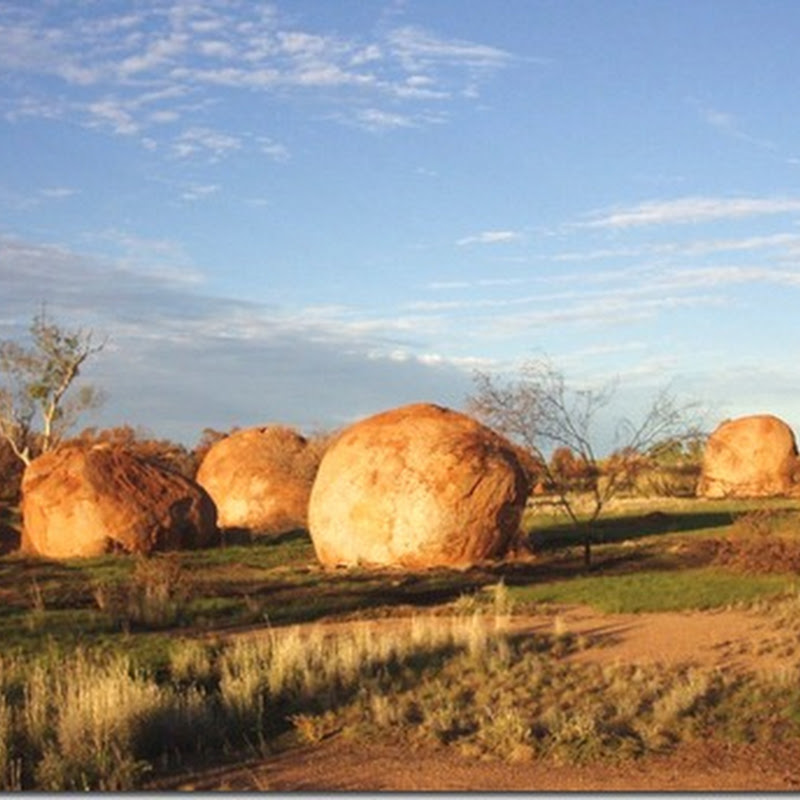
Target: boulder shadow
column 232, row 537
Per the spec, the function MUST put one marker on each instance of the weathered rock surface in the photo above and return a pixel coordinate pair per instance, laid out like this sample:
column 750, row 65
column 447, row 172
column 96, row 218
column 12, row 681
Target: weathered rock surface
column 753, row 456
column 418, row 486
column 79, row 501
column 260, row 479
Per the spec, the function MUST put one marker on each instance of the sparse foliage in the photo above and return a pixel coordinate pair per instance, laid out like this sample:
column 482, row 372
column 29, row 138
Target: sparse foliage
column 35, row 408
column 541, row 412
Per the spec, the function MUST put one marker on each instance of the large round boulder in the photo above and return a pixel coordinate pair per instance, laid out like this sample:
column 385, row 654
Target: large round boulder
column 260, row 479
column 753, row 456
column 79, row 501
column 418, row 486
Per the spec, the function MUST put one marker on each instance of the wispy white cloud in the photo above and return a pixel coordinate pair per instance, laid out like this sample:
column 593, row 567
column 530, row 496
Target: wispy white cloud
column 729, row 125
column 609, row 311
column 121, row 62
column 690, row 210
column 475, row 283
column 129, row 252
column 606, row 299
column 112, row 113
column 19, row 201
column 200, row 191
column 786, row 242
column 490, row 237
column 157, row 53
column 418, row 49
column 274, row 150
column 214, row 144
column 706, row 277
column 374, row 119
column 57, row 192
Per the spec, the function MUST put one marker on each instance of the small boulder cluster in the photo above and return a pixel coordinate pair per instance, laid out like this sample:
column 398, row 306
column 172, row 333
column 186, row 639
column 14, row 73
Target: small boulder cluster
column 418, row 486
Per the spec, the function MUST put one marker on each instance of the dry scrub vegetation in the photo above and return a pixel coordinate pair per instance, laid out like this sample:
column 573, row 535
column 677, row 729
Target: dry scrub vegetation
column 97, row 722
column 463, row 681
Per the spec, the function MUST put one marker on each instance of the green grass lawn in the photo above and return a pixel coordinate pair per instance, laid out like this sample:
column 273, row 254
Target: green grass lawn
column 676, row 590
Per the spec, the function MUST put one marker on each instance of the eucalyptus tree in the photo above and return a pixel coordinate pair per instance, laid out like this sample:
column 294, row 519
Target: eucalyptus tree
column 38, row 401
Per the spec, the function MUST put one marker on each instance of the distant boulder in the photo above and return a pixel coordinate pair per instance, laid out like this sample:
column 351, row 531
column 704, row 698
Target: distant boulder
column 79, row 501
column 753, row 456
column 260, row 479
column 418, row 486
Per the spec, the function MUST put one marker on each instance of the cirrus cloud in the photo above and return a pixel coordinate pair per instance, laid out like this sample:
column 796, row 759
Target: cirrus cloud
column 490, row 237
column 691, row 210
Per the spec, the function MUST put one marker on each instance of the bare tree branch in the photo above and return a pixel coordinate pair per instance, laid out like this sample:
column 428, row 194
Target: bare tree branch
column 541, row 412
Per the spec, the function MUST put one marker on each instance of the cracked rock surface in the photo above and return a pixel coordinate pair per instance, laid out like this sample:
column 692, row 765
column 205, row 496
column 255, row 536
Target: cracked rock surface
column 80, row 501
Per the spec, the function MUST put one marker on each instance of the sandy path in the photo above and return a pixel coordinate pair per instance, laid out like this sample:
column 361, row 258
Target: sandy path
column 730, row 640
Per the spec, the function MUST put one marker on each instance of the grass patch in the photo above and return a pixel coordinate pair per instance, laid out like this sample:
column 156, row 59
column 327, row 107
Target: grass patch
column 625, row 520
column 678, row 590
column 100, row 601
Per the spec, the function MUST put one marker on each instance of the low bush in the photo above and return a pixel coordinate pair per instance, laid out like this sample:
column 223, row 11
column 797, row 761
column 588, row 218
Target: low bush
column 155, row 595
column 761, row 541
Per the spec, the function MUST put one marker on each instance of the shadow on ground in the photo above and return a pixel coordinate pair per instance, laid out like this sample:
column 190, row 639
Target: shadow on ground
column 630, row 528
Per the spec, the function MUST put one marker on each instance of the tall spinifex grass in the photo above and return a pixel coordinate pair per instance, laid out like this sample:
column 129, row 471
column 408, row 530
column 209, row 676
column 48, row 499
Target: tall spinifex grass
column 10, row 778
column 320, row 667
column 97, row 718
column 95, row 722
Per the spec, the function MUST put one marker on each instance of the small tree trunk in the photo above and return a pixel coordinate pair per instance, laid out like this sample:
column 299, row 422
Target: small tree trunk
column 23, row 453
column 587, row 550
column 48, row 416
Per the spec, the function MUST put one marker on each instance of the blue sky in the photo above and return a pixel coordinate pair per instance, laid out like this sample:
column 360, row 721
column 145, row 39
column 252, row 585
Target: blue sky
column 306, row 212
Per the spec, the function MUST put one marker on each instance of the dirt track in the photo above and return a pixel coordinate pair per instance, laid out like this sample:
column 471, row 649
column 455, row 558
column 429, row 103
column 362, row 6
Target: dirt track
column 338, row 765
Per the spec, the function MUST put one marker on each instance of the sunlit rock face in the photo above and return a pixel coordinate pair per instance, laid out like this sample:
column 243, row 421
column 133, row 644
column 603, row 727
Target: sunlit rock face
column 417, row 486
column 259, row 480
column 753, row 456
column 79, row 501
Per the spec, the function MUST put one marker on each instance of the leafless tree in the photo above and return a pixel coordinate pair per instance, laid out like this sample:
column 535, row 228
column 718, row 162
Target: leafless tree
column 35, row 407
column 541, row 412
